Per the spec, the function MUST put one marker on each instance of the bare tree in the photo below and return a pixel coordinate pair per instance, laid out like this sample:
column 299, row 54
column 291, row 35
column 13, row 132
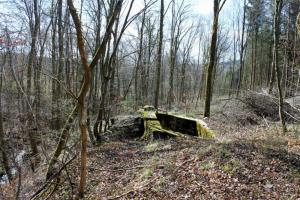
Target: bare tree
column 218, row 5
column 58, row 92
column 108, row 71
column 140, row 62
column 242, row 49
column 81, row 102
column 178, row 17
column 187, row 46
column 32, row 63
column 276, row 35
column 159, row 54
column 4, row 156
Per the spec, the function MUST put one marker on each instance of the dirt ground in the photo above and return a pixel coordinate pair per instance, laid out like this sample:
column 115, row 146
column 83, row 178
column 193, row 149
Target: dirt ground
column 257, row 167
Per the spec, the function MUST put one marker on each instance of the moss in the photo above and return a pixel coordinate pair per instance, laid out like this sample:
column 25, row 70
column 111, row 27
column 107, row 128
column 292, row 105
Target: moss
column 149, row 115
column 223, row 153
column 202, row 152
column 148, row 173
column 162, row 182
column 153, row 126
column 151, row 147
column 207, row 166
column 169, row 125
column 231, row 167
column 226, row 168
column 204, row 132
column 155, row 160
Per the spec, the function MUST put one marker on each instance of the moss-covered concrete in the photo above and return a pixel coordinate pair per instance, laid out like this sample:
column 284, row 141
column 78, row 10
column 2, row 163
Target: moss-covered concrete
column 165, row 125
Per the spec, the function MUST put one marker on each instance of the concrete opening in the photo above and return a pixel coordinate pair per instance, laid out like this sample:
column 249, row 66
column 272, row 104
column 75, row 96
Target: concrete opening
column 177, row 124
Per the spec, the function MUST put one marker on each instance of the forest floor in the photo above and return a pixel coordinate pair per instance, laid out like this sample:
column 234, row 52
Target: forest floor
column 194, row 169
column 251, row 163
column 257, row 167
column 248, row 161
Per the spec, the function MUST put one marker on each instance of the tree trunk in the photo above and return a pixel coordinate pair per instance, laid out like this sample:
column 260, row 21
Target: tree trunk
column 232, row 81
column 159, row 54
column 174, row 46
column 278, row 8
column 273, row 71
column 85, row 87
column 32, row 123
column 3, row 146
column 81, row 98
column 58, row 98
column 54, row 69
column 62, row 142
column 242, row 48
column 212, row 59
column 139, row 63
column 254, row 61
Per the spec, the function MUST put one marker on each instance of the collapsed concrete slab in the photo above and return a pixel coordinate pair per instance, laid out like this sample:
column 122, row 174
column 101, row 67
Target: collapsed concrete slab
column 150, row 124
column 159, row 124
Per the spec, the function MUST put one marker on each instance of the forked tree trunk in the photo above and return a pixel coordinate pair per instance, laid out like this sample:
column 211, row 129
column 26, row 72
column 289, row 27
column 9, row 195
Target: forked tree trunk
column 81, row 102
column 109, row 63
column 81, row 98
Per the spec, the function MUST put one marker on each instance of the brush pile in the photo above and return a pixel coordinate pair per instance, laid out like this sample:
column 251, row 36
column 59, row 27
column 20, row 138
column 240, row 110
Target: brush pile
column 266, row 106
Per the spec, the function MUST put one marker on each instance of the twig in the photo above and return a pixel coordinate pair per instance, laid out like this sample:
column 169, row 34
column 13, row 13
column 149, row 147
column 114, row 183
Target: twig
column 51, row 178
column 70, row 181
column 296, row 119
column 133, row 190
column 19, row 182
column 61, row 84
column 54, row 189
column 189, row 160
column 131, row 168
column 266, row 122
